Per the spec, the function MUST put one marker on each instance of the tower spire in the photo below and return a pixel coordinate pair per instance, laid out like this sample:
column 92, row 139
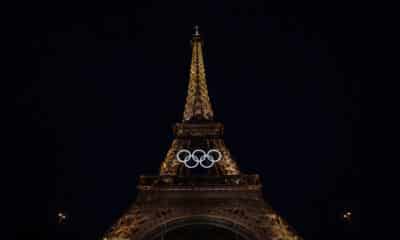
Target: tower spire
column 198, row 105
column 196, row 28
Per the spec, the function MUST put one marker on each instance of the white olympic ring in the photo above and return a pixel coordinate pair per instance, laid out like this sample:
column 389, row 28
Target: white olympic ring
column 198, row 159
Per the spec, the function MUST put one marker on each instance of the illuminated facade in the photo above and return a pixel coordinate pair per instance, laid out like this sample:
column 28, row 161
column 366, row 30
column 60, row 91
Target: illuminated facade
column 219, row 203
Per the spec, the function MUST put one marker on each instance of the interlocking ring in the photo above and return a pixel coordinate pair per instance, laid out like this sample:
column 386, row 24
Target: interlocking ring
column 198, row 157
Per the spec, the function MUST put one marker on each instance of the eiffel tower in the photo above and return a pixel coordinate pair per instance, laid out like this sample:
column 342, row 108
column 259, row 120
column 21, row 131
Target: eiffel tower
column 218, row 202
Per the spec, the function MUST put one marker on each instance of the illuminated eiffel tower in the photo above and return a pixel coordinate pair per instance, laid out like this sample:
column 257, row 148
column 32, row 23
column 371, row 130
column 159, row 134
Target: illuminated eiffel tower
column 179, row 203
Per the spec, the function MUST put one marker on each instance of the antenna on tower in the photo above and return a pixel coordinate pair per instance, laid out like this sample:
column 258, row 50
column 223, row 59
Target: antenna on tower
column 196, row 30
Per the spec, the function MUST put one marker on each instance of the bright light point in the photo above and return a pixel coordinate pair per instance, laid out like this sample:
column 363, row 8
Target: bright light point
column 346, row 216
column 61, row 217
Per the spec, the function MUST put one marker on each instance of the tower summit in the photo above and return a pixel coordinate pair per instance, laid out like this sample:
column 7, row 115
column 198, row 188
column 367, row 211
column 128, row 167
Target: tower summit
column 221, row 203
column 198, row 105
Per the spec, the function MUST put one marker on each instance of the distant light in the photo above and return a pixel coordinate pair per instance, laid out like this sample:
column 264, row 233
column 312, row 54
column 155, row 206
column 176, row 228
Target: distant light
column 61, row 217
column 346, row 216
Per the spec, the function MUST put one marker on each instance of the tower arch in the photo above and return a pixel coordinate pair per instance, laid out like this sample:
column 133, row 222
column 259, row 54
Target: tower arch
column 206, row 226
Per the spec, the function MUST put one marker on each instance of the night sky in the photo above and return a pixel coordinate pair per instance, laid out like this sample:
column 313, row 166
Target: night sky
column 104, row 84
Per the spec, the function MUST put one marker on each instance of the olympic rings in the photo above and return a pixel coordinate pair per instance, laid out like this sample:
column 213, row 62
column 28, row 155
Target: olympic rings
column 199, row 157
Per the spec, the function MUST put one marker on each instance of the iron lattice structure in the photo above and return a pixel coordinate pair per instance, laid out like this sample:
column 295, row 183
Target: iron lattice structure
column 223, row 197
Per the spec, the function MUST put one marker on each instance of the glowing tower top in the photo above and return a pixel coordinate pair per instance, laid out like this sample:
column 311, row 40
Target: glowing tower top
column 198, row 105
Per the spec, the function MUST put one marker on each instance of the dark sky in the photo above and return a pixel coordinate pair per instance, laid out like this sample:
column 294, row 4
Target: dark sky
column 104, row 84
